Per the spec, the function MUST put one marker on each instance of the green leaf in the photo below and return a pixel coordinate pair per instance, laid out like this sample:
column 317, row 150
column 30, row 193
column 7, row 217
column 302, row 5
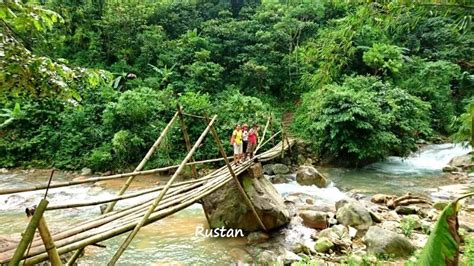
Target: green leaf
column 442, row 247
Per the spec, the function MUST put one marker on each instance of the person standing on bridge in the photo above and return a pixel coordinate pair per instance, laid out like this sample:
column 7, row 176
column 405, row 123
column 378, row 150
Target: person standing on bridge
column 236, row 141
column 252, row 141
column 245, row 140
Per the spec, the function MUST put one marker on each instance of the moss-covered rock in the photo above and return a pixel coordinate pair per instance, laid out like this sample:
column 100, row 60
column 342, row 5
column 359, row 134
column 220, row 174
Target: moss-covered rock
column 323, row 245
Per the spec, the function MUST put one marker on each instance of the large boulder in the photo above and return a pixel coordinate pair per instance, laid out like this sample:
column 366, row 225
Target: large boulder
column 227, row 207
column 461, row 161
column 314, row 219
column 280, row 169
column 308, row 175
column 383, row 242
column 352, row 213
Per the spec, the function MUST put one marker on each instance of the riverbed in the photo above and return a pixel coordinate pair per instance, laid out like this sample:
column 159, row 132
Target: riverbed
column 173, row 241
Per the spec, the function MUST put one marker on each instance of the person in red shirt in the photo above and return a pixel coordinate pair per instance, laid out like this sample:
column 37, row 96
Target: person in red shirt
column 252, row 141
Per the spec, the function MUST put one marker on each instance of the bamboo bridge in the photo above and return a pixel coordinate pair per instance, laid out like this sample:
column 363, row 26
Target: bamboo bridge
column 171, row 198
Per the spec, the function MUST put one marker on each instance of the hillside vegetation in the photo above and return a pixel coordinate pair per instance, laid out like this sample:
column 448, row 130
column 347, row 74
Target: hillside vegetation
column 92, row 83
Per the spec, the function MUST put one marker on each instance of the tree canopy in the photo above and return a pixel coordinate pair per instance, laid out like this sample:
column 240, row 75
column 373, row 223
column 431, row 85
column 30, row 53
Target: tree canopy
column 91, row 83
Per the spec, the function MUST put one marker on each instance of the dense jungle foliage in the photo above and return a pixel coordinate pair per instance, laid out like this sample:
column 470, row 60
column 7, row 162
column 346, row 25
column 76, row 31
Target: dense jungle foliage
column 92, row 83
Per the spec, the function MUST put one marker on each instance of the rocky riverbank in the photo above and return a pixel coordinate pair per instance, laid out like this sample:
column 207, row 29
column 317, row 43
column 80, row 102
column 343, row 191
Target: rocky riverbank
column 358, row 228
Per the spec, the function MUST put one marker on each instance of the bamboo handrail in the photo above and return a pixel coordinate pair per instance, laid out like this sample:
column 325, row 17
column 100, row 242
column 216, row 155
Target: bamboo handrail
column 130, row 237
column 264, row 132
column 103, row 178
column 118, row 198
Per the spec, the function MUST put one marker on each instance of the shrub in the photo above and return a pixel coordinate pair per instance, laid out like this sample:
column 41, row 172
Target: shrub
column 384, row 57
column 362, row 120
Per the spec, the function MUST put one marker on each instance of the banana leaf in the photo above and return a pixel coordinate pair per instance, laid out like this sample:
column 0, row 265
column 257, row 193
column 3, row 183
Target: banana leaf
column 442, row 247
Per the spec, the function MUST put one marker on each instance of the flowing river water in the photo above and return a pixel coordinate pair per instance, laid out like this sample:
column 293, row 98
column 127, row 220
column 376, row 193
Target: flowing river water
column 173, row 241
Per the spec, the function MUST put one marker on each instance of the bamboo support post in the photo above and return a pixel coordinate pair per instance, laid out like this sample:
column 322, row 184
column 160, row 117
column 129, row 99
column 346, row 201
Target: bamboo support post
column 130, row 237
column 143, row 161
column 186, row 138
column 283, row 142
column 48, row 243
column 472, row 128
column 29, row 233
column 271, row 128
column 231, row 171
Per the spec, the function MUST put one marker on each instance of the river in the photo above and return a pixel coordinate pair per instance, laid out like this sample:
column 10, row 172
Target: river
column 173, row 241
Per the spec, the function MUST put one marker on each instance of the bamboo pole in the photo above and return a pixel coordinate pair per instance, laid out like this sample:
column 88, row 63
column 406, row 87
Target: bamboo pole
column 268, row 140
column 29, row 233
column 282, row 141
column 472, row 128
column 263, row 135
column 195, row 116
column 171, row 199
column 186, row 138
column 130, row 237
column 48, row 242
column 144, row 161
column 97, row 237
column 231, row 171
column 271, row 128
column 118, row 198
column 129, row 181
column 103, row 178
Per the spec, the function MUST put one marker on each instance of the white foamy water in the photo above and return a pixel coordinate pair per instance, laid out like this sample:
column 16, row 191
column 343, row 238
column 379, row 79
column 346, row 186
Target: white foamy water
column 430, row 158
column 329, row 194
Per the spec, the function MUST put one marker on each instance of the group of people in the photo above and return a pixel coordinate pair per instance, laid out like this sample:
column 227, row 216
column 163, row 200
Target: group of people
column 244, row 141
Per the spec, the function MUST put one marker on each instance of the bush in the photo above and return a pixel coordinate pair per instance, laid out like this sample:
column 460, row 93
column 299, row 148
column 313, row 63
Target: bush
column 361, row 121
column 431, row 82
column 384, row 57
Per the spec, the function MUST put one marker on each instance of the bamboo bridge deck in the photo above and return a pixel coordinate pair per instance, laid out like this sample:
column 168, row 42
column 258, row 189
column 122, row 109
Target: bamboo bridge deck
column 172, row 198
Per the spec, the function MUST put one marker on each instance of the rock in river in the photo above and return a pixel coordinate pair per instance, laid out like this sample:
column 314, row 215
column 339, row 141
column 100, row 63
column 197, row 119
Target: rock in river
column 280, row 169
column 352, row 213
column 227, row 207
column 323, row 245
column 383, row 242
column 314, row 219
column 308, row 175
column 86, row 171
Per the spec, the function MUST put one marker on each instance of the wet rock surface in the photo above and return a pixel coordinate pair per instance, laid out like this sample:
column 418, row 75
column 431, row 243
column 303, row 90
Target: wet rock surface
column 266, row 200
column 352, row 213
column 381, row 241
column 308, row 175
